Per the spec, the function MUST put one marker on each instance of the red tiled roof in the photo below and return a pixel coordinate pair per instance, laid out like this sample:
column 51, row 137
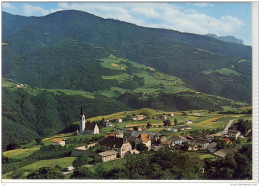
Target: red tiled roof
column 56, row 140
column 144, row 137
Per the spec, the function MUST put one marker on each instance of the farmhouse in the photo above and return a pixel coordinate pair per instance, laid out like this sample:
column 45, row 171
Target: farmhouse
column 137, row 133
column 120, row 145
column 177, row 140
column 164, row 117
column 233, row 133
column 188, row 122
column 58, row 142
column 119, row 120
column 212, row 147
column 106, row 156
column 109, row 124
column 201, row 143
column 145, row 139
column 82, row 149
column 223, row 152
column 138, row 117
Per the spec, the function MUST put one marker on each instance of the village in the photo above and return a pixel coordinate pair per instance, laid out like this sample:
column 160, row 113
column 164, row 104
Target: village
column 119, row 143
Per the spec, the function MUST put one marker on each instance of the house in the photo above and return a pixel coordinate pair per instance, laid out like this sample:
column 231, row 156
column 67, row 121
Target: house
column 190, row 139
column 109, row 124
column 176, row 147
column 201, row 143
column 233, row 133
column 91, row 128
column 223, row 152
column 207, row 137
column 119, row 120
column 120, row 145
column 144, row 139
column 57, row 141
column 137, row 133
column 193, row 147
column 109, row 135
column 106, row 156
column 82, row 149
column 188, row 122
column 171, row 114
column 119, row 134
column 163, row 139
column 217, row 135
column 228, row 141
column 212, row 147
column 164, row 117
column 177, row 140
column 91, row 144
column 134, row 151
column 138, row 117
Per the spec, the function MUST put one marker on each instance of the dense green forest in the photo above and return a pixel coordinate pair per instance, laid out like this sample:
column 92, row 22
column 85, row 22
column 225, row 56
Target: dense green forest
column 64, row 49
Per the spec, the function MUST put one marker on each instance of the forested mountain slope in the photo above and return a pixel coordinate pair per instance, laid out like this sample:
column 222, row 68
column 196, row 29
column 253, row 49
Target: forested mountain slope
column 69, row 42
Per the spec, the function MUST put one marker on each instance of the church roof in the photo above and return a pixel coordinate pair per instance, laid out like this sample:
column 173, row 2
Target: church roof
column 90, row 126
column 82, row 112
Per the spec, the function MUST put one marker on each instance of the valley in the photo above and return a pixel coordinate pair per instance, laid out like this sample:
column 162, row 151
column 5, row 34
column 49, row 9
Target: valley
column 84, row 97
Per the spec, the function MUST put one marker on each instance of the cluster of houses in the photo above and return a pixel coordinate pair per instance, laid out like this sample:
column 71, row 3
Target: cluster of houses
column 116, row 145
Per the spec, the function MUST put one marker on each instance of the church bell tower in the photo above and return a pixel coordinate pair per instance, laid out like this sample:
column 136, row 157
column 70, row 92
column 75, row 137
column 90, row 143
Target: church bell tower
column 82, row 121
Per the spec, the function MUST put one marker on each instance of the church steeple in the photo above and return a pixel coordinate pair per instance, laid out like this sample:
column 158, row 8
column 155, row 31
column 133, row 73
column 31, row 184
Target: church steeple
column 82, row 121
column 82, row 112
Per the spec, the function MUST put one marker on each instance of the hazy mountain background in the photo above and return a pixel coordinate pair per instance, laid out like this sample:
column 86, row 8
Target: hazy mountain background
column 230, row 39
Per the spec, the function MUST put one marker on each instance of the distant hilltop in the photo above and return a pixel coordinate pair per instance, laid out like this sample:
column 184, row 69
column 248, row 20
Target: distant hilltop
column 230, row 39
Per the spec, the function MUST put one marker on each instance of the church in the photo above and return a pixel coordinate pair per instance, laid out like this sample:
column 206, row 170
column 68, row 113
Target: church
column 89, row 128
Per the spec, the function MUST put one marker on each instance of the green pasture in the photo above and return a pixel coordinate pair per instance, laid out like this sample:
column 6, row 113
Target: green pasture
column 63, row 162
column 72, row 92
column 227, row 71
column 20, row 153
column 118, row 163
column 114, row 63
column 201, row 155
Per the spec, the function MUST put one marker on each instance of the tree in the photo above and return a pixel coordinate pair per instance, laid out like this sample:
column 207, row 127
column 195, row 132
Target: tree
column 46, row 173
column 141, row 147
column 58, row 167
column 185, row 146
column 82, row 173
column 80, row 160
column 175, row 122
column 166, row 123
column 135, row 128
column 38, row 141
column 148, row 125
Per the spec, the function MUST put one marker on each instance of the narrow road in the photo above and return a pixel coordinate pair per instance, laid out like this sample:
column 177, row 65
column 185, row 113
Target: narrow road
column 225, row 131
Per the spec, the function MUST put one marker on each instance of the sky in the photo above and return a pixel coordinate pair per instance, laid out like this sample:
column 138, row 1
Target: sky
column 222, row 19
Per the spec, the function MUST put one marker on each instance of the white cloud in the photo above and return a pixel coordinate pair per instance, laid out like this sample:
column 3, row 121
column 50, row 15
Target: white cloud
column 8, row 5
column 202, row 5
column 34, row 10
